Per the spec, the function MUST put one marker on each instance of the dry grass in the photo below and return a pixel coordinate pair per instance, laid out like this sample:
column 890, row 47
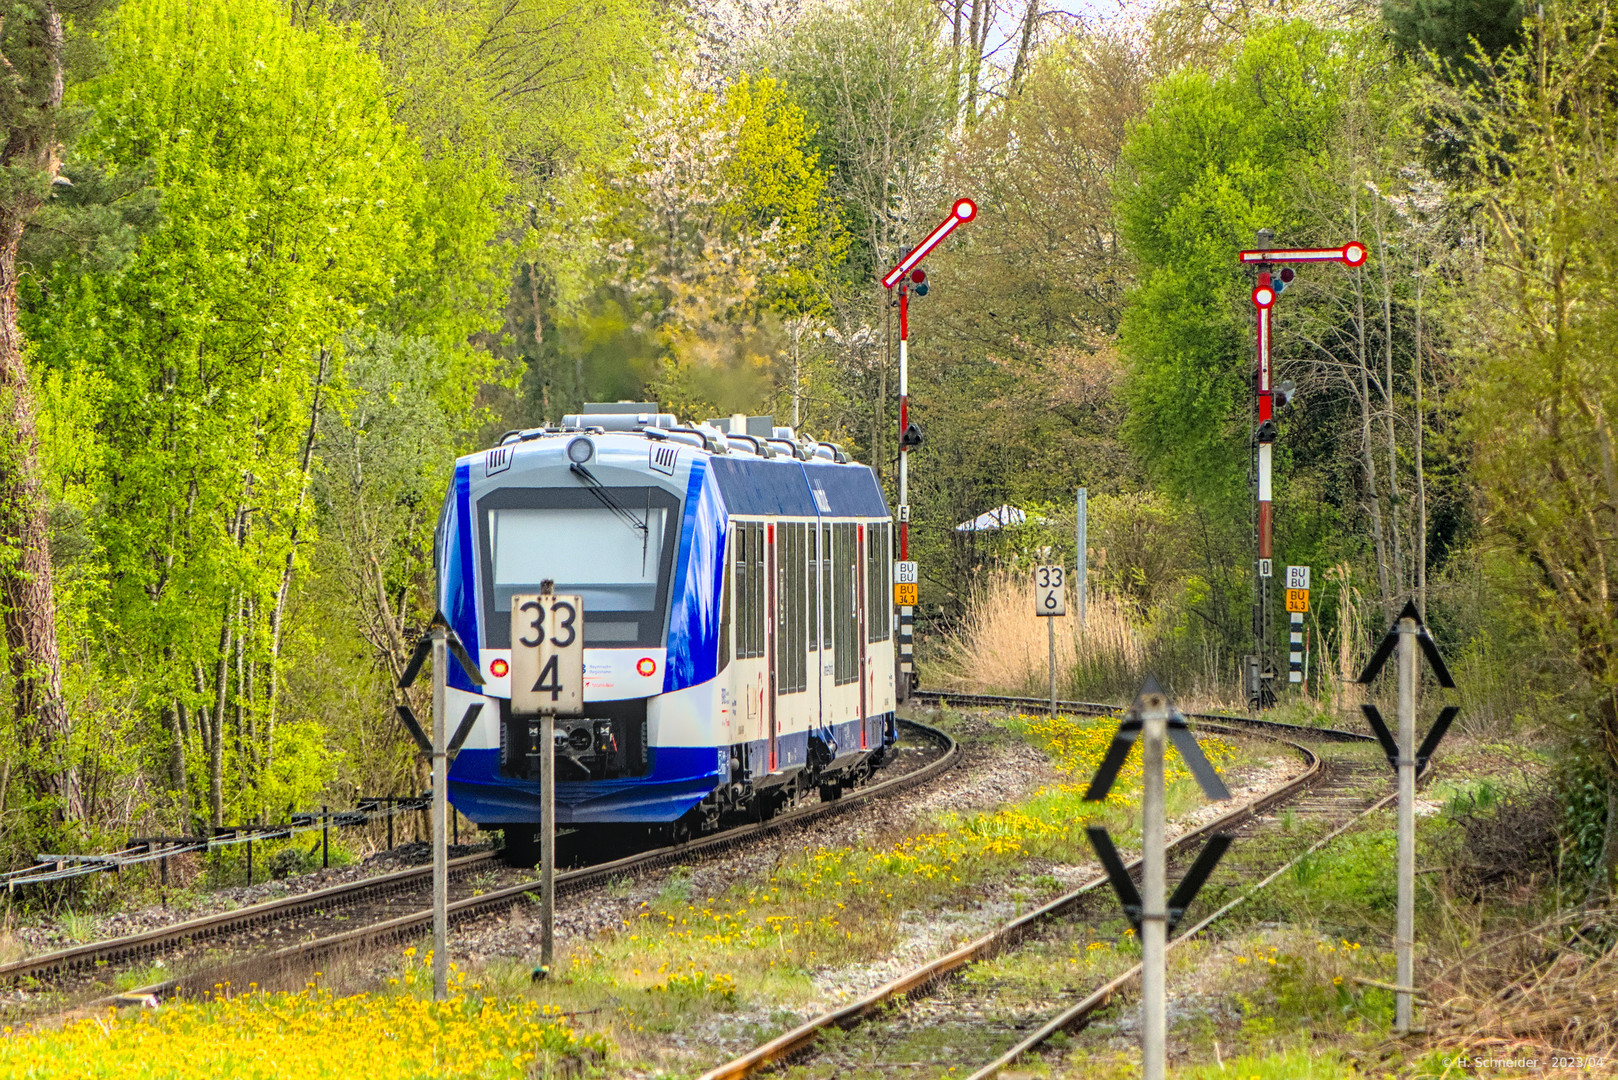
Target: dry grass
column 1551, row 988
column 1002, row 647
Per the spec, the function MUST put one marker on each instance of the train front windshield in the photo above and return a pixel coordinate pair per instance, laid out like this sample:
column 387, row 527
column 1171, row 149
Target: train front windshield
column 616, row 557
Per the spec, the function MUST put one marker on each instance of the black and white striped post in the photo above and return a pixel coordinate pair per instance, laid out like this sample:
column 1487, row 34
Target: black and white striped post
column 1297, row 607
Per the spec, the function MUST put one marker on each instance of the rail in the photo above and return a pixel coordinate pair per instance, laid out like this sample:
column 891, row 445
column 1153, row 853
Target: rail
column 802, row 1037
column 407, row 926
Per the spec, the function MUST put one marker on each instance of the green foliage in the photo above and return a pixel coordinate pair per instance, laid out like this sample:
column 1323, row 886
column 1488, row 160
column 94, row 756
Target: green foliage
column 1455, row 31
column 1541, row 388
column 294, row 208
column 1213, row 162
column 874, row 82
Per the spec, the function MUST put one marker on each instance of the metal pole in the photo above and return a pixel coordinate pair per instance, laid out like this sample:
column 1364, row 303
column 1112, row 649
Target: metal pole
column 1050, row 627
column 547, row 852
column 440, row 819
column 906, row 612
column 325, row 830
column 1154, row 911
column 1404, row 939
column 1083, row 538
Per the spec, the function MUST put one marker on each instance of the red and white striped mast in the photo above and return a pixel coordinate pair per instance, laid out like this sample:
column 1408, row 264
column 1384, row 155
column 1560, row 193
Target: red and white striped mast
column 1268, row 287
column 904, row 276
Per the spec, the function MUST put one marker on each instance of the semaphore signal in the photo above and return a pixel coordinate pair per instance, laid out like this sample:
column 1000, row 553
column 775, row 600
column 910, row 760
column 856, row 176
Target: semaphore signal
column 1266, row 291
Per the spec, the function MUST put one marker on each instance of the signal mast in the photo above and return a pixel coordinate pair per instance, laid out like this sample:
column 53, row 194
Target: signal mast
column 1259, row 671
column 905, row 276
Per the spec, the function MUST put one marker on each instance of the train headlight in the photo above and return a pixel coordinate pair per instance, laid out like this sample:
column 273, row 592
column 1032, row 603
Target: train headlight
column 580, row 450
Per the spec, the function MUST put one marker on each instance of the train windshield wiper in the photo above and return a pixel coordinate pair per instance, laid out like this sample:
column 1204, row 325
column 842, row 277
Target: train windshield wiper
column 607, row 499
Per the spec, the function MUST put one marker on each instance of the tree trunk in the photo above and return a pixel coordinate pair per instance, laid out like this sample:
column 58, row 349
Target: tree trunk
column 955, row 65
column 974, row 59
column 1421, row 471
column 177, row 767
column 1019, row 69
column 1400, row 578
column 27, row 588
column 1373, row 494
column 216, row 735
column 291, row 562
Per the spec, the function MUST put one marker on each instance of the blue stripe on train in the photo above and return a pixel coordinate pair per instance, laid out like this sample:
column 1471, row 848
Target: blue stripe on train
column 678, row 779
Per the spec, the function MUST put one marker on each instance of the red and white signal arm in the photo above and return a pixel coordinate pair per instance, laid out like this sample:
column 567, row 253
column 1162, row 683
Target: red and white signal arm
column 547, row 655
column 1350, row 254
column 964, row 210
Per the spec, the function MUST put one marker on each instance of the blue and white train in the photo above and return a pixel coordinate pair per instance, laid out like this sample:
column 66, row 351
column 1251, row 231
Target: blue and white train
column 738, row 624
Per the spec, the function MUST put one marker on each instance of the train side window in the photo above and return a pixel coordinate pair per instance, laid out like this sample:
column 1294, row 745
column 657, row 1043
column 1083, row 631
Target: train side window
column 878, row 586
column 826, row 580
column 791, row 652
column 811, row 610
column 845, row 630
column 804, row 584
column 745, row 604
column 761, row 593
column 724, row 609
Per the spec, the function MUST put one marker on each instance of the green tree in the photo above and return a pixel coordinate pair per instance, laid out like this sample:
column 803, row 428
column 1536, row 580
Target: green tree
column 295, row 209
column 36, row 40
column 1542, row 393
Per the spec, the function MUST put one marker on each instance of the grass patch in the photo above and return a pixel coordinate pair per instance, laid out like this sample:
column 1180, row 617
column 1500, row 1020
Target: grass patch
column 751, row 960
column 312, row 1035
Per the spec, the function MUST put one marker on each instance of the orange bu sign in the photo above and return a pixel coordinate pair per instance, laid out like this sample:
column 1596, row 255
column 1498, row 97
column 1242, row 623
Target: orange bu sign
column 1298, row 600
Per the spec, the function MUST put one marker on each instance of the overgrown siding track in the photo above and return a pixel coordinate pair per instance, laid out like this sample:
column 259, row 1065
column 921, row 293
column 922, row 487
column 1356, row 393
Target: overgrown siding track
column 1321, row 796
column 324, row 919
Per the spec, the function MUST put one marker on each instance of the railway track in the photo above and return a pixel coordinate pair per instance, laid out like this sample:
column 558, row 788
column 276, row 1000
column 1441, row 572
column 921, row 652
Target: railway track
column 926, row 1007
column 1092, row 708
column 393, row 908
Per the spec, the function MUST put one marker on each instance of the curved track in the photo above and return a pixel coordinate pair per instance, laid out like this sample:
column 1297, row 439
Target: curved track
column 373, row 896
column 1316, row 787
column 967, row 700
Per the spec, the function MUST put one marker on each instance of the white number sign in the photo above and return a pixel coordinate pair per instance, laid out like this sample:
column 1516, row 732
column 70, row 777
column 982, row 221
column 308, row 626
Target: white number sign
column 1050, row 590
column 547, row 655
column 904, row 573
column 1297, row 577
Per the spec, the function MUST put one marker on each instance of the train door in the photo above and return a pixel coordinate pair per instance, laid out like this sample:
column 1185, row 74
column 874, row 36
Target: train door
column 859, row 630
column 772, row 716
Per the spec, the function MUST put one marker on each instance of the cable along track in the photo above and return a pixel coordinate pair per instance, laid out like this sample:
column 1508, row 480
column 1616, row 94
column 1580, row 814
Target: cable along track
column 265, row 966
column 1319, row 788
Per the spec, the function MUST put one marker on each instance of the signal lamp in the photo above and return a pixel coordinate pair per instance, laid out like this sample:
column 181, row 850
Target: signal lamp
column 1266, row 432
column 580, row 450
column 1287, row 274
column 1284, row 393
column 920, row 290
column 918, row 275
column 912, row 436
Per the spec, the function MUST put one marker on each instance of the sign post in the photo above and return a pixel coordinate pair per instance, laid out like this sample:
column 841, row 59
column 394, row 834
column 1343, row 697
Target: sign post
column 1297, row 608
column 547, row 679
column 440, row 641
column 1082, row 537
column 1265, row 292
column 1050, row 600
column 1407, row 634
column 906, row 276
column 1152, row 720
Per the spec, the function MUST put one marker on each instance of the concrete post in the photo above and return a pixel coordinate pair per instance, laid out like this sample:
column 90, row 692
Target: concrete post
column 1050, row 632
column 440, row 816
column 1404, row 938
column 547, row 849
column 1154, row 904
